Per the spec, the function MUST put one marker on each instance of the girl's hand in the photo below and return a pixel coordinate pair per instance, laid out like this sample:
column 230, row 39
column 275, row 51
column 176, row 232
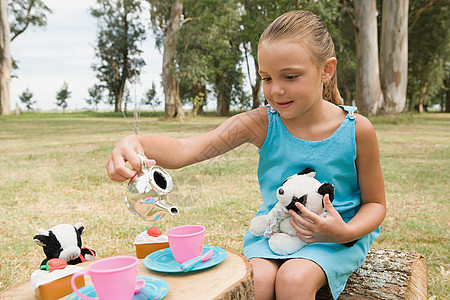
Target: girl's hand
column 313, row 228
column 125, row 151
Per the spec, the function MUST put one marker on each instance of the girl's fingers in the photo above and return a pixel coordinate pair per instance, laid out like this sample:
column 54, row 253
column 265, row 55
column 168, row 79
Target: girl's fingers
column 306, row 213
column 328, row 205
column 300, row 229
column 300, row 220
column 151, row 162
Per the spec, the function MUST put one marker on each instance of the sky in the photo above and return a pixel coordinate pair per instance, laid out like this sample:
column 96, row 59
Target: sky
column 63, row 51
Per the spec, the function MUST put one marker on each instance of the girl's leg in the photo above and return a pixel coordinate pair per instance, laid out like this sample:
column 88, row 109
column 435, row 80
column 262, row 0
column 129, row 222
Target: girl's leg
column 264, row 274
column 299, row 279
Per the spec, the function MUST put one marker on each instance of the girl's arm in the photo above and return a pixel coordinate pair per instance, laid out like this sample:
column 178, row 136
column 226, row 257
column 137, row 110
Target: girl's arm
column 370, row 179
column 175, row 153
column 373, row 209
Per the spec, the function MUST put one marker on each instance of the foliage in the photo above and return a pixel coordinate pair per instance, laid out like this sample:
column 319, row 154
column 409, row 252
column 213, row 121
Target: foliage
column 343, row 35
column 25, row 98
column 117, row 51
column 216, row 36
column 150, row 97
column 62, row 95
column 95, row 95
column 25, row 13
column 208, row 51
column 159, row 18
column 428, row 51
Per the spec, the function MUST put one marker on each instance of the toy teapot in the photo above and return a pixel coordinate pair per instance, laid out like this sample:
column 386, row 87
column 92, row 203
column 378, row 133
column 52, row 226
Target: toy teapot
column 147, row 192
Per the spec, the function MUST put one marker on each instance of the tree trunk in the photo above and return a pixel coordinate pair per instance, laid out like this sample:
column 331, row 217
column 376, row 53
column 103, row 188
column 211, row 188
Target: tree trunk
column 5, row 59
column 445, row 95
column 256, row 89
column 172, row 100
column 223, row 103
column 394, row 55
column 369, row 97
column 125, row 70
column 223, row 107
column 121, row 89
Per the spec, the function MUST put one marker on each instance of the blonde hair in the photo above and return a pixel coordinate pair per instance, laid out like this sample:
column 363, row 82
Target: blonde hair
column 307, row 28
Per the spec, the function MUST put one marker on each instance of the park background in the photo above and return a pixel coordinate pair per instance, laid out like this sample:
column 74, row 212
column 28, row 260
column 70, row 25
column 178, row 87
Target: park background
column 51, row 167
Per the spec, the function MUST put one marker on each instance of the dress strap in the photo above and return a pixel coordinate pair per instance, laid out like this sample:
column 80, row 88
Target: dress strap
column 350, row 111
column 270, row 109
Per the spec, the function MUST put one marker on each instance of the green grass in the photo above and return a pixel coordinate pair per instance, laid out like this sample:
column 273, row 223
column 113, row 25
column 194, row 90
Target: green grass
column 52, row 171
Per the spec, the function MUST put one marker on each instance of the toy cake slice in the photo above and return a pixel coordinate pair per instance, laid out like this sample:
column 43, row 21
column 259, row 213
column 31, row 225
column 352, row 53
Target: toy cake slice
column 150, row 241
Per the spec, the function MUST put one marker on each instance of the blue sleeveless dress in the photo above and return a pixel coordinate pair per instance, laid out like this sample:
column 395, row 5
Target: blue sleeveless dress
column 333, row 159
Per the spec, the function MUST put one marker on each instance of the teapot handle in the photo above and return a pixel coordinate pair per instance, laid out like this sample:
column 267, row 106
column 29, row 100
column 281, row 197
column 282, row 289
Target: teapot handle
column 143, row 159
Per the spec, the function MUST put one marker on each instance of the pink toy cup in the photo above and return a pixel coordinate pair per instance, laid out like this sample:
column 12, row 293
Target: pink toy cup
column 114, row 278
column 186, row 241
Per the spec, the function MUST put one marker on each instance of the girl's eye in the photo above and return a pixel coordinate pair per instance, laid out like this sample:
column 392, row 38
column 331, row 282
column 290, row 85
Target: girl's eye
column 266, row 79
column 290, row 77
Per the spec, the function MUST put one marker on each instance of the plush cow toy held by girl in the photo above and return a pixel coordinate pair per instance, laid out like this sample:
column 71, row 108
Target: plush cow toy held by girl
column 303, row 188
column 64, row 241
column 275, row 225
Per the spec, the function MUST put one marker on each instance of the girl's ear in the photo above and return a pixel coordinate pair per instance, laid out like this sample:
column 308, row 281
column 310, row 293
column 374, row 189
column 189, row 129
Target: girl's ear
column 329, row 69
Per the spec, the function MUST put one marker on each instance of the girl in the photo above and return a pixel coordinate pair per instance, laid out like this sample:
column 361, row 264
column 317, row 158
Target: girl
column 303, row 127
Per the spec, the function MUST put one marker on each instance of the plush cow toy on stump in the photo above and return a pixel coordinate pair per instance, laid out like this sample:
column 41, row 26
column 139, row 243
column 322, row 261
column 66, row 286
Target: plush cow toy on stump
column 64, row 241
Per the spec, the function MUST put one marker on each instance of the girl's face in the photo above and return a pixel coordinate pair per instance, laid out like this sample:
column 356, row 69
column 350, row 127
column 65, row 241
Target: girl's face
column 292, row 82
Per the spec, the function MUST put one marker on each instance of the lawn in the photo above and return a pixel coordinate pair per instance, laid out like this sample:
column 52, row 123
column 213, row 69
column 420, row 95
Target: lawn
column 52, row 171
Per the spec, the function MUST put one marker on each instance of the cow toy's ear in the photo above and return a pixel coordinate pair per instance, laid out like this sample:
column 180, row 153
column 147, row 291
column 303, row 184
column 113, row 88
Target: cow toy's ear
column 327, row 188
column 79, row 227
column 41, row 240
column 308, row 172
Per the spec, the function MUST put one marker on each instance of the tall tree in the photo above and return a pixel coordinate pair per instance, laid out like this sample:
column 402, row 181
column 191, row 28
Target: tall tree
column 394, row 55
column 23, row 14
column 369, row 97
column 119, row 57
column 5, row 59
column 193, row 54
column 381, row 81
column 208, row 51
column 166, row 23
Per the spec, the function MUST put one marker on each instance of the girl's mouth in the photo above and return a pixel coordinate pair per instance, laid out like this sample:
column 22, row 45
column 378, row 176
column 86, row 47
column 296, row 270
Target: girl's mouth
column 284, row 105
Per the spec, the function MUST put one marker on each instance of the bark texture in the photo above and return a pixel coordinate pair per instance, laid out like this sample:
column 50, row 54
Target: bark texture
column 172, row 100
column 5, row 59
column 369, row 96
column 386, row 274
column 394, row 55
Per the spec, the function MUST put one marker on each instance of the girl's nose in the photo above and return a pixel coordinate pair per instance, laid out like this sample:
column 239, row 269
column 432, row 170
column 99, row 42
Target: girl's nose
column 277, row 89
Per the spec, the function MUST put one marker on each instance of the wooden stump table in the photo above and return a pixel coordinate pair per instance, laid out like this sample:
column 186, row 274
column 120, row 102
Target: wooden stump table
column 385, row 274
column 231, row 279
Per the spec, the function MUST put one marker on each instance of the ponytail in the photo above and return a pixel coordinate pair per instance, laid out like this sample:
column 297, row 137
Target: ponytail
column 331, row 91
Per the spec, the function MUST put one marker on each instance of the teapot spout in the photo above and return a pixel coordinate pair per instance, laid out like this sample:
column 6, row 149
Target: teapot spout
column 171, row 209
